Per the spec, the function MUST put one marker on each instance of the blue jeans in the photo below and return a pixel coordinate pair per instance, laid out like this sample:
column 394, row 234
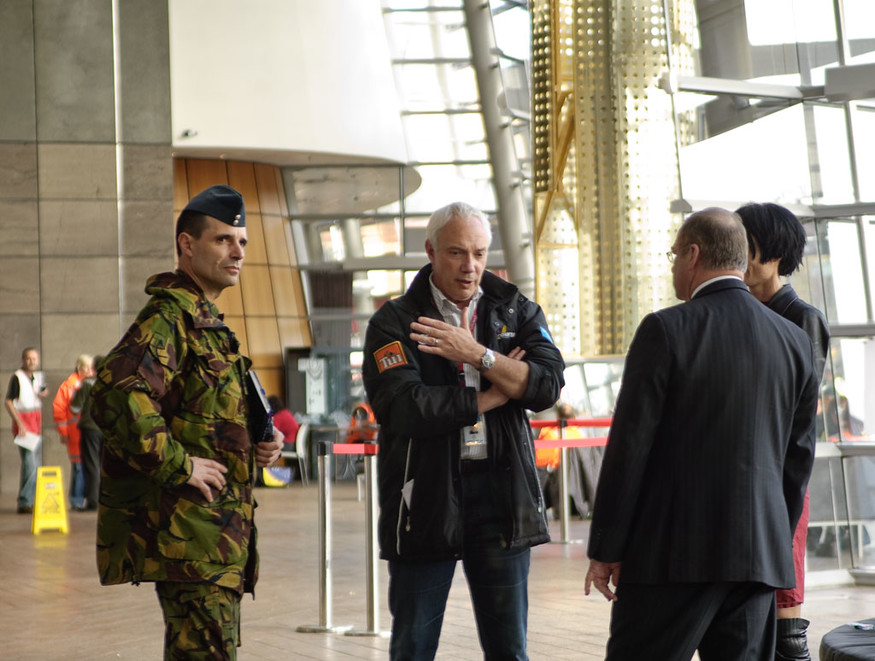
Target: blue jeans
column 77, row 485
column 497, row 580
column 27, row 478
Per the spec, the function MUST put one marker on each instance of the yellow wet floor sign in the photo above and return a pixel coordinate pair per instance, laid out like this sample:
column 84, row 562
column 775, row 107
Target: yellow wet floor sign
column 50, row 507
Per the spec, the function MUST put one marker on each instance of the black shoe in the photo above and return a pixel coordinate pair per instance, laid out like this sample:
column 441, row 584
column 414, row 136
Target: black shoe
column 792, row 643
column 25, row 509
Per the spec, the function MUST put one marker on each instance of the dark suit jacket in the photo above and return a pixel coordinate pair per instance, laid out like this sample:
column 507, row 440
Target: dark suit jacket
column 711, row 446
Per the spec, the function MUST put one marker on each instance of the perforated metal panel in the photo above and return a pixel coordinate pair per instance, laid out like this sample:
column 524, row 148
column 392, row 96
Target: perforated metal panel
column 605, row 164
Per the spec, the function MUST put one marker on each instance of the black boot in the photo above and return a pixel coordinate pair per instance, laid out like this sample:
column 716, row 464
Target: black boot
column 792, row 642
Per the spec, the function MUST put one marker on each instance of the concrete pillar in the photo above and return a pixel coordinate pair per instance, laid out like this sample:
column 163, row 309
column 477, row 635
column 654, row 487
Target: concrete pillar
column 85, row 182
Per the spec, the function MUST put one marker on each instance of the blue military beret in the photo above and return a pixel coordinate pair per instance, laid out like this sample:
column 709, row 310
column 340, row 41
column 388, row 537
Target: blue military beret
column 220, row 202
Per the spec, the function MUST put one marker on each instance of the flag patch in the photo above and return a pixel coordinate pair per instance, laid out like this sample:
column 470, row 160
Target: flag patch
column 389, row 356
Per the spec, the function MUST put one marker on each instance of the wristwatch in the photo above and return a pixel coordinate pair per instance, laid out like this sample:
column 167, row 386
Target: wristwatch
column 487, row 360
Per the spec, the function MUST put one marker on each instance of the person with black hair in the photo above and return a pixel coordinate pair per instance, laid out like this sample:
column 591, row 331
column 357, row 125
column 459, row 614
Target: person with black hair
column 776, row 242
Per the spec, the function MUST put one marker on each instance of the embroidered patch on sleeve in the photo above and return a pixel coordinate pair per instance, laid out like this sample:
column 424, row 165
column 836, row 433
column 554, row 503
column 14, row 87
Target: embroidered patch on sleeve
column 546, row 335
column 389, row 356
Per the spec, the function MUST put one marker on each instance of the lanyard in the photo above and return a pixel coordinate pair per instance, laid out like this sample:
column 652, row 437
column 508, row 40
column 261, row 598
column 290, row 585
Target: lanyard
column 460, row 364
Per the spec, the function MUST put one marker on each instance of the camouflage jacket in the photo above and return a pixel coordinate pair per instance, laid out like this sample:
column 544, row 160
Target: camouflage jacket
column 173, row 388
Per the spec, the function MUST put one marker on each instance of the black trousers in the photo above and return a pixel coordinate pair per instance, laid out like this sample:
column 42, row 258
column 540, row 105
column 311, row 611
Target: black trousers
column 724, row 621
column 91, row 444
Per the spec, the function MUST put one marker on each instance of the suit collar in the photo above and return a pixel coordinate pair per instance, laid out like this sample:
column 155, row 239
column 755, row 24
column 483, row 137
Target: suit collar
column 719, row 284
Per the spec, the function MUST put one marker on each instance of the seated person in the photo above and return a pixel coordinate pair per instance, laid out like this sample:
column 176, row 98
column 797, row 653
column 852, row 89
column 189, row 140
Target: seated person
column 362, row 425
column 285, row 422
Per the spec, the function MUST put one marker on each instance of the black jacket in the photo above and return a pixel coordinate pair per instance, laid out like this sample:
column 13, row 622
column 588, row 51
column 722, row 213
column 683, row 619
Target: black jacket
column 711, row 446
column 422, row 408
column 788, row 304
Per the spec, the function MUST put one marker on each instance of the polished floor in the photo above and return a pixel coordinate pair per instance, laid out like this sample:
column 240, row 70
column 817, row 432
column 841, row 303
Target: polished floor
column 54, row 608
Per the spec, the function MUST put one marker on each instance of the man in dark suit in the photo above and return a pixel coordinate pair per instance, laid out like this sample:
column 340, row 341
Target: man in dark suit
column 707, row 463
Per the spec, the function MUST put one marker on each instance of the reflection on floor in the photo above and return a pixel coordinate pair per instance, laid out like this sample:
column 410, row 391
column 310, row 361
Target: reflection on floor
column 53, row 606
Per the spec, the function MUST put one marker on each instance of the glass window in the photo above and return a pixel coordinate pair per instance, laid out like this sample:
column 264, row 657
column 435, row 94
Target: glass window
column 843, row 271
column 831, row 159
column 441, row 184
column 864, row 138
column 764, row 160
column 807, row 280
column 859, row 19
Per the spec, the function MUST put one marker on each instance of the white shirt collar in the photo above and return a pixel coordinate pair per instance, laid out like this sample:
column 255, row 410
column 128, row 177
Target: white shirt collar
column 708, row 282
column 451, row 312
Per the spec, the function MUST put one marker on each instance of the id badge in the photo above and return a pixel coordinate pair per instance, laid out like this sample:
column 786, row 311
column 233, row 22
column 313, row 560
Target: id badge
column 473, row 435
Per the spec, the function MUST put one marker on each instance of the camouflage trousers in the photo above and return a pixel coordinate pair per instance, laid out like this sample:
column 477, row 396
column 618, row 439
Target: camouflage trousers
column 201, row 621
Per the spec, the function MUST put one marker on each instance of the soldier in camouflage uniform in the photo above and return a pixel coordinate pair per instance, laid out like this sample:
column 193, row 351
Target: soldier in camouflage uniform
column 176, row 500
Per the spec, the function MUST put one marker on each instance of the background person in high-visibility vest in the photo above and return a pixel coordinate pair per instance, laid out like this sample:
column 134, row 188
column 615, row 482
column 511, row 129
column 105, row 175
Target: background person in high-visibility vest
column 67, row 424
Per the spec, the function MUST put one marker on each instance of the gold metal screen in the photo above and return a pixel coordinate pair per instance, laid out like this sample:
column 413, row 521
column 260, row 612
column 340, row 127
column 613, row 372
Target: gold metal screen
column 605, row 164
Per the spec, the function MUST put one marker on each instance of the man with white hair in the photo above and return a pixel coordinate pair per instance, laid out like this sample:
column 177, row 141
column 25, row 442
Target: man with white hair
column 450, row 369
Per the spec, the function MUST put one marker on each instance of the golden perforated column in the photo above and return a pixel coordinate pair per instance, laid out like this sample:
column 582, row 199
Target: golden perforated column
column 605, row 164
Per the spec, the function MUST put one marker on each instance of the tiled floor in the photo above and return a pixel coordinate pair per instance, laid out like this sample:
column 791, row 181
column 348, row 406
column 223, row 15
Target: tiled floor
column 54, row 608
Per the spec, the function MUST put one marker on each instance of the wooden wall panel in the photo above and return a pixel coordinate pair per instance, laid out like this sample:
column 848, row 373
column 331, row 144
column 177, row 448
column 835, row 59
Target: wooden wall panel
column 264, row 341
column 273, row 380
column 237, row 323
column 294, row 333
column 242, row 177
column 257, row 291
column 284, row 293
column 275, row 237
column 255, row 250
column 280, row 186
column 269, row 193
column 203, row 174
column 299, row 299
column 231, row 301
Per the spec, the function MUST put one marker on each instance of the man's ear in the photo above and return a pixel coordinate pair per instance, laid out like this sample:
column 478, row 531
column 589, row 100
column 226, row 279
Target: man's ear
column 695, row 254
column 184, row 242
column 429, row 250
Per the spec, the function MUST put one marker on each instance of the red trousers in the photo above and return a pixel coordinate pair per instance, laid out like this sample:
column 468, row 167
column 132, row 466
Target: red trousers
column 795, row 596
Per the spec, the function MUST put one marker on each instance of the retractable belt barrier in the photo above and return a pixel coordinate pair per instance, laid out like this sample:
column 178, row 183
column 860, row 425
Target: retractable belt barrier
column 369, row 452
column 323, row 448
column 563, row 444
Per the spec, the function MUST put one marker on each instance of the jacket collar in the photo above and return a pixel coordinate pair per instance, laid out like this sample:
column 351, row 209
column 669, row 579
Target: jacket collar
column 782, row 299
column 185, row 292
column 419, row 293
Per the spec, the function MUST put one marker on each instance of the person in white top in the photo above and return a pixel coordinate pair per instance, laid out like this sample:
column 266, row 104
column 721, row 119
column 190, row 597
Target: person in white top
column 27, row 389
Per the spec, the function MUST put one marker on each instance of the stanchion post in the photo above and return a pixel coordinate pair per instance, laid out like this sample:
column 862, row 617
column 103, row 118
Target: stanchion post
column 371, row 553
column 323, row 451
column 565, row 513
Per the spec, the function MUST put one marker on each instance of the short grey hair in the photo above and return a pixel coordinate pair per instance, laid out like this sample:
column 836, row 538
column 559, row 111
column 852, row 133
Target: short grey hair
column 721, row 238
column 455, row 210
